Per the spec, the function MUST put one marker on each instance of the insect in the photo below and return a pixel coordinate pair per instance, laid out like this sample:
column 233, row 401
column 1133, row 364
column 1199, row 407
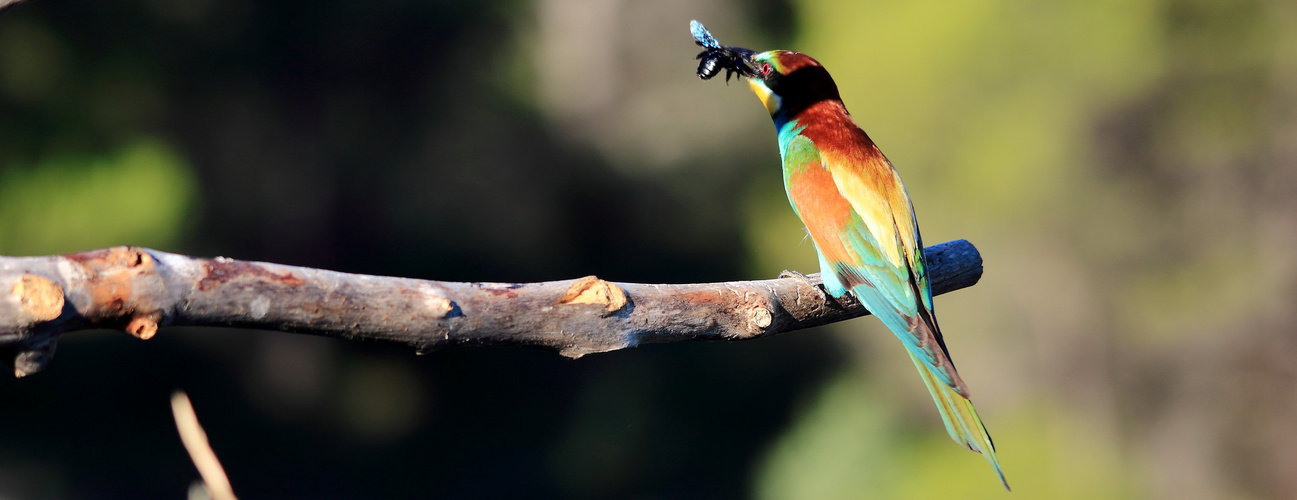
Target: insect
column 717, row 57
column 712, row 63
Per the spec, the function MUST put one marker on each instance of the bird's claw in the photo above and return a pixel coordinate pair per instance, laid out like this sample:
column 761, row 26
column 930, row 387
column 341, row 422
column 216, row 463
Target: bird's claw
column 792, row 274
column 786, row 273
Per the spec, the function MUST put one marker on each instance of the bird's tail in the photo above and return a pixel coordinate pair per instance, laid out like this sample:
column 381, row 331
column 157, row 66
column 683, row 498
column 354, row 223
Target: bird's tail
column 961, row 420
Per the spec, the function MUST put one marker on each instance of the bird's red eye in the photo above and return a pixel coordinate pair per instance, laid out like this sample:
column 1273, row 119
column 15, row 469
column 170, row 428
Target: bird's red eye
column 765, row 69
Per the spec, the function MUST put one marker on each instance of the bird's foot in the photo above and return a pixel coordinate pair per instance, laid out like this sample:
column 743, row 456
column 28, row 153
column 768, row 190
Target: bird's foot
column 786, row 273
column 792, row 274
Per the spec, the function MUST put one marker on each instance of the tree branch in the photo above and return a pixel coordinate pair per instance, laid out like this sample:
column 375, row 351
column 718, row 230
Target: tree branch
column 140, row 290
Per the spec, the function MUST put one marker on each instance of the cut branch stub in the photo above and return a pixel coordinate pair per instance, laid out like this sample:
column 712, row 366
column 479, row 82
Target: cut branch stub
column 140, row 290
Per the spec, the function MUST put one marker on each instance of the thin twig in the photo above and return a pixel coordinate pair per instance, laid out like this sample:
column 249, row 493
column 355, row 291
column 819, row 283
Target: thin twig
column 195, row 440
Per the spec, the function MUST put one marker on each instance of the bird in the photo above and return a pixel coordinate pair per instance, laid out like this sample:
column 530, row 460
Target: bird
column 859, row 216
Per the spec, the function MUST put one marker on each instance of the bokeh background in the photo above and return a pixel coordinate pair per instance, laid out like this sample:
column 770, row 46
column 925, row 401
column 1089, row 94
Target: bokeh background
column 1127, row 168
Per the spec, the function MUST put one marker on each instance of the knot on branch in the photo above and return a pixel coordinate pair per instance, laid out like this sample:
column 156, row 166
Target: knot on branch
column 592, row 290
column 32, row 357
column 144, row 326
column 757, row 312
column 440, row 306
column 111, row 277
column 40, row 301
column 759, row 318
column 39, row 298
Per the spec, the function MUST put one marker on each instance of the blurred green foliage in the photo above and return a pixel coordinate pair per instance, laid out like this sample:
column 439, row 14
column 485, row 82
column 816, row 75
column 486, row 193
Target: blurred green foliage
column 848, row 444
column 139, row 195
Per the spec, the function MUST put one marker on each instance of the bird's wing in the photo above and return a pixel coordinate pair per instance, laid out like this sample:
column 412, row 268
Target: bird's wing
column 863, row 225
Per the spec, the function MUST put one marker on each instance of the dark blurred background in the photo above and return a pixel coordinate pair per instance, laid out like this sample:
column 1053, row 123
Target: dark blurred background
column 1128, row 169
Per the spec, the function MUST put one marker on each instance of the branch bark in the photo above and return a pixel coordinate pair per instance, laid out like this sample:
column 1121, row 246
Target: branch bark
column 140, row 290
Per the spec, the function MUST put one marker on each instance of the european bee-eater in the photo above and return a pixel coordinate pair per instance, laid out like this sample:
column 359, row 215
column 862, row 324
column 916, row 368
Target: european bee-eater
column 857, row 213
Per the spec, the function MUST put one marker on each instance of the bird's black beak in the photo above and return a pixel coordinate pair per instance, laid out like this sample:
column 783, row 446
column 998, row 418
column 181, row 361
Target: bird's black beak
column 743, row 57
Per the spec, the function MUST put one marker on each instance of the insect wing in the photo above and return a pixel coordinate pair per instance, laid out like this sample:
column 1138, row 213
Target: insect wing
column 702, row 36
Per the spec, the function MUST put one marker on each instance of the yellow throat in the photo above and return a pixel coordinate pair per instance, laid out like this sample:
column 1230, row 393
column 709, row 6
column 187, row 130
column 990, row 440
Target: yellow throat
column 764, row 93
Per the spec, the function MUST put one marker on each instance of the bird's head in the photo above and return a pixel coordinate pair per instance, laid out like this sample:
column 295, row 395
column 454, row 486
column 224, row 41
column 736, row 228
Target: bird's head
column 788, row 82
